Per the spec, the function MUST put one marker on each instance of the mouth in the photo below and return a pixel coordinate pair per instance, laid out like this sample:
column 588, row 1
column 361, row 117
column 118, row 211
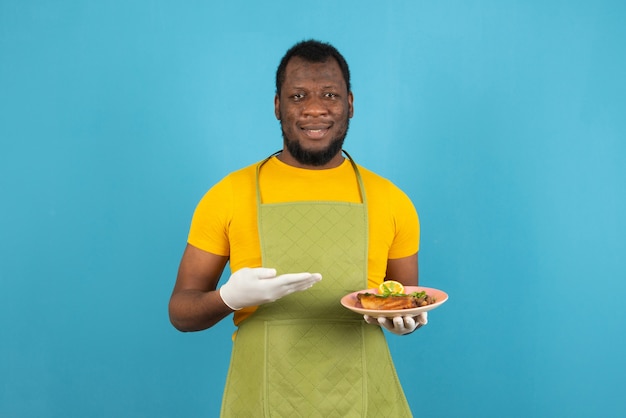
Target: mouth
column 315, row 131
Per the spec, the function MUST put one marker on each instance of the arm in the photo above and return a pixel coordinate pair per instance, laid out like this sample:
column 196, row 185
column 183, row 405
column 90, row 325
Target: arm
column 195, row 303
column 404, row 270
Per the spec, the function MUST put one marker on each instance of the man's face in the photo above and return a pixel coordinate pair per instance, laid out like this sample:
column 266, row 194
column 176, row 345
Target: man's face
column 314, row 109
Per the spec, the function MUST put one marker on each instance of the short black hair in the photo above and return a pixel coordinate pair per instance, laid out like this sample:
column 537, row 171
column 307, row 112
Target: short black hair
column 312, row 51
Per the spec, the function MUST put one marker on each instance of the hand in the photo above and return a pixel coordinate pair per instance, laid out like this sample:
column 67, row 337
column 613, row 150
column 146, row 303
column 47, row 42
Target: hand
column 255, row 286
column 399, row 325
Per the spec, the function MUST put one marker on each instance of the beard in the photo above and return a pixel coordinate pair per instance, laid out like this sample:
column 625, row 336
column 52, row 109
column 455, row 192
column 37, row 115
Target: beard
column 318, row 157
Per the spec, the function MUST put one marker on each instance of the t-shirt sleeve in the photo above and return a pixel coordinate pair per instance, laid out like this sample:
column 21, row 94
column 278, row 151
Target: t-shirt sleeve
column 209, row 225
column 407, row 227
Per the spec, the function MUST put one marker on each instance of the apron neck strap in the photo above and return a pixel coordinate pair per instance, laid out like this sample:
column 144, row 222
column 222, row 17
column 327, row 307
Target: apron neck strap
column 354, row 166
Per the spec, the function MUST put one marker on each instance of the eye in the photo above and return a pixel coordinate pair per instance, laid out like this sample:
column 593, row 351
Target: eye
column 331, row 95
column 298, row 96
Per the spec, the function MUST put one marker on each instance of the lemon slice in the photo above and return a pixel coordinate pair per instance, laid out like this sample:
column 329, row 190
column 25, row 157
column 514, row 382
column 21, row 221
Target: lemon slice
column 390, row 286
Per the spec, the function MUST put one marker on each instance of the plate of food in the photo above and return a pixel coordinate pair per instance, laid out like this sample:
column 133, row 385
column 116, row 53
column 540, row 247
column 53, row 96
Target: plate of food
column 392, row 299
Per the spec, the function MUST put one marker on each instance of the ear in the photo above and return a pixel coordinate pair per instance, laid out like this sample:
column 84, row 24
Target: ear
column 277, row 107
column 350, row 104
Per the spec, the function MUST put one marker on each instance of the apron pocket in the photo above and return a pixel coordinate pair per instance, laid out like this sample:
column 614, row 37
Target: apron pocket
column 315, row 368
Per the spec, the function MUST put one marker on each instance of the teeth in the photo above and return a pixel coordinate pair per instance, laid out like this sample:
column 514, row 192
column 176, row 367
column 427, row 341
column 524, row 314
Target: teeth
column 315, row 133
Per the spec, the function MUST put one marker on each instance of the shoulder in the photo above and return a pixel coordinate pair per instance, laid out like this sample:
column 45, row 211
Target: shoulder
column 236, row 180
column 228, row 187
column 371, row 176
column 377, row 182
column 383, row 193
column 245, row 172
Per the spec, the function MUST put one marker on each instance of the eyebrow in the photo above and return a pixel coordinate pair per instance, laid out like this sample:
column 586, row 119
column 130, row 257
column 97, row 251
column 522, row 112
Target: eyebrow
column 327, row 86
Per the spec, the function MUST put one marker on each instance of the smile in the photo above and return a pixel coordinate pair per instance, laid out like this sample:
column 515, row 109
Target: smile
column 315, row 132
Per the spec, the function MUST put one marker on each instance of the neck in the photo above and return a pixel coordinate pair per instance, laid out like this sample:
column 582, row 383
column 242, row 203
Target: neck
column 286, row 157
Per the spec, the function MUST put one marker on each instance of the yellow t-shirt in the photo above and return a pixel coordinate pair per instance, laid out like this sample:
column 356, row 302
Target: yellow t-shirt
column 225, row 220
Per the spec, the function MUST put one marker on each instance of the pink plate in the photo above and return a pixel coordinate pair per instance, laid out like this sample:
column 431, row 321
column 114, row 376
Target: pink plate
column 351, row 302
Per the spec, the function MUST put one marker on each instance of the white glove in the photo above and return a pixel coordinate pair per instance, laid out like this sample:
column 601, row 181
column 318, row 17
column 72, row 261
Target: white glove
column 255, row 286
column 399, row 325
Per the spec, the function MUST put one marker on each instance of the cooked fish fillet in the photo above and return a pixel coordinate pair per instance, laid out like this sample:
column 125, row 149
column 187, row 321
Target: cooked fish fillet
column 370, row 301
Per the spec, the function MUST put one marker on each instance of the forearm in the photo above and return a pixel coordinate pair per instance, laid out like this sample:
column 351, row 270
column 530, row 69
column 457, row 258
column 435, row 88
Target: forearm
column 196, row 310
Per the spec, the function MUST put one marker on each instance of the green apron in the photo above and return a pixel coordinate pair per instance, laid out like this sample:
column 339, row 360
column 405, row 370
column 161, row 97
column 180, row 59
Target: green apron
column 305, row 355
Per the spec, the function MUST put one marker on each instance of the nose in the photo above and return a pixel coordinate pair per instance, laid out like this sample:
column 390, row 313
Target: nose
column 315, row 106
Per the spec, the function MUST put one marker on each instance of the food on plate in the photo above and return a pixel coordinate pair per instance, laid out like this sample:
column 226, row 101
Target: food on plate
column 378, row 302
column 392, row 297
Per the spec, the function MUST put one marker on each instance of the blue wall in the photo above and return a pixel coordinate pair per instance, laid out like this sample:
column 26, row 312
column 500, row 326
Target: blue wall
column 503, row 120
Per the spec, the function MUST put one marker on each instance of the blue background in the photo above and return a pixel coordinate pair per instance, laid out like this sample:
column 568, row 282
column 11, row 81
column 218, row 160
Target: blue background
column 502, row 120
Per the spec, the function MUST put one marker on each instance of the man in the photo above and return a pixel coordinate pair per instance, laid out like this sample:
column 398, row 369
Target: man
column 304, row 212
